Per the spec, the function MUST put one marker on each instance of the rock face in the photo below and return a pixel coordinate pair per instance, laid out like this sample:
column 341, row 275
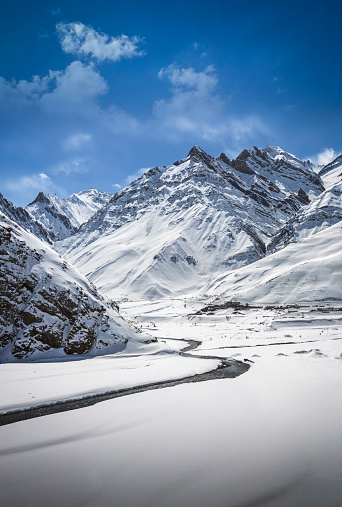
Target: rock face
column 175, row 228
column 47, row 308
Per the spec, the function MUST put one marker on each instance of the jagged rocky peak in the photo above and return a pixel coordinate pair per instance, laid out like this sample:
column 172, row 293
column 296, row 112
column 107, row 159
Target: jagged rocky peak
column 41, row 199
column 225, row 159
column 196, row 154
column 240, row 163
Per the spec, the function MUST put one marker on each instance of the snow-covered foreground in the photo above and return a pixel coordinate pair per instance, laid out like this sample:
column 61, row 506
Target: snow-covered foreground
column 268, row 437
column 26, row 385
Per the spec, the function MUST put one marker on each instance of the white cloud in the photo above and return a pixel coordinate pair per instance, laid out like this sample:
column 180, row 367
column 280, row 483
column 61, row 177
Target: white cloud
column 78, row 85
column 59, row 92
column 23, row 93
column 82, row 40
column 77, row 165
column 324, row 157
column 116, row 186
column 245, row 128
column 203, row 82
column 33, row 183
column 196, row 109
column 76, row 141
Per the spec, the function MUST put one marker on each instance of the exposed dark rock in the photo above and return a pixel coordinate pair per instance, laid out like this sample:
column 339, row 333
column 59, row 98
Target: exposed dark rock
column 39, row 312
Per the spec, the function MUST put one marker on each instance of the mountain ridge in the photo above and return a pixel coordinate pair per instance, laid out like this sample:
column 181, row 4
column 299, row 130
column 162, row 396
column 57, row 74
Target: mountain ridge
column 200, row 215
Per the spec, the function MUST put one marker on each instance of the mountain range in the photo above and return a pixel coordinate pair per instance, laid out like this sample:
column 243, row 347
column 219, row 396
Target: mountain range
column 264, row 227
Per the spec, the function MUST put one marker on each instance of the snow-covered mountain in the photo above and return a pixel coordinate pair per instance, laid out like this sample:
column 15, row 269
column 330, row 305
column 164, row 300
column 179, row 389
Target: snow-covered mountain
column 62, row 217
column 48, row 309
column 175, row 228
column 308, row 271
column 51, row 218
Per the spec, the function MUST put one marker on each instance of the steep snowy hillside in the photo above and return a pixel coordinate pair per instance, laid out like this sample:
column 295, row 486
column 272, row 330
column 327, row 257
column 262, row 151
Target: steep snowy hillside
column 24, row 218
column 176, row 227
column 332, row 173
column 310, row 270
column 62, row 217
column 324, row 211
column 47, row 307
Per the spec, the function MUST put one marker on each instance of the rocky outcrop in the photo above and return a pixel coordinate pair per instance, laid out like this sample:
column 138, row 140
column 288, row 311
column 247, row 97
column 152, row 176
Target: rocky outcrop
column 47, row 306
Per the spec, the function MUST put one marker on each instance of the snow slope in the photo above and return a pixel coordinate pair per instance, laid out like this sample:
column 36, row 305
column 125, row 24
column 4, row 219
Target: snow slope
column 269, row 438
column 322, row 212
column 332, row 173
column 175, row 228
column 48, row 309
column 310, row 270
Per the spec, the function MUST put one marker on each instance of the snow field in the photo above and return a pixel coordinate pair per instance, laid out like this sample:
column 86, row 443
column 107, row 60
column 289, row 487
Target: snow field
column 265, row 438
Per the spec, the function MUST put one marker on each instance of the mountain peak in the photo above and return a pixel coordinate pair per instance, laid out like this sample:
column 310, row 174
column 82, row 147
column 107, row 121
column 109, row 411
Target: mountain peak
column 197, row 151
column 42, row 198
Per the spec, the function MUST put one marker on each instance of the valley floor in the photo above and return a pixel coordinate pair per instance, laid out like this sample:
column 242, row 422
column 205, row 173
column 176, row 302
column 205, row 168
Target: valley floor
column 270, row 437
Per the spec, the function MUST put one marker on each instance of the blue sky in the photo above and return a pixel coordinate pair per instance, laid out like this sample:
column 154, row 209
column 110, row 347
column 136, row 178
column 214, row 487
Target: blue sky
column 93, row 93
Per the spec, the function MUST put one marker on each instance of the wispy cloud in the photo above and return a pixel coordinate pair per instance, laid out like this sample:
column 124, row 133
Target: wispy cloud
column 76, row 141
column 200, row 81
column 324, row 157
column 83, row 41
column 74, row 166
column 136, row 175
column 33, row 183
column 56, row 12
column 116, row 186
column 197, row 109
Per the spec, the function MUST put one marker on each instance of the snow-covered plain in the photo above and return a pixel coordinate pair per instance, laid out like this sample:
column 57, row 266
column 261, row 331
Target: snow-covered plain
column 270, row 437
